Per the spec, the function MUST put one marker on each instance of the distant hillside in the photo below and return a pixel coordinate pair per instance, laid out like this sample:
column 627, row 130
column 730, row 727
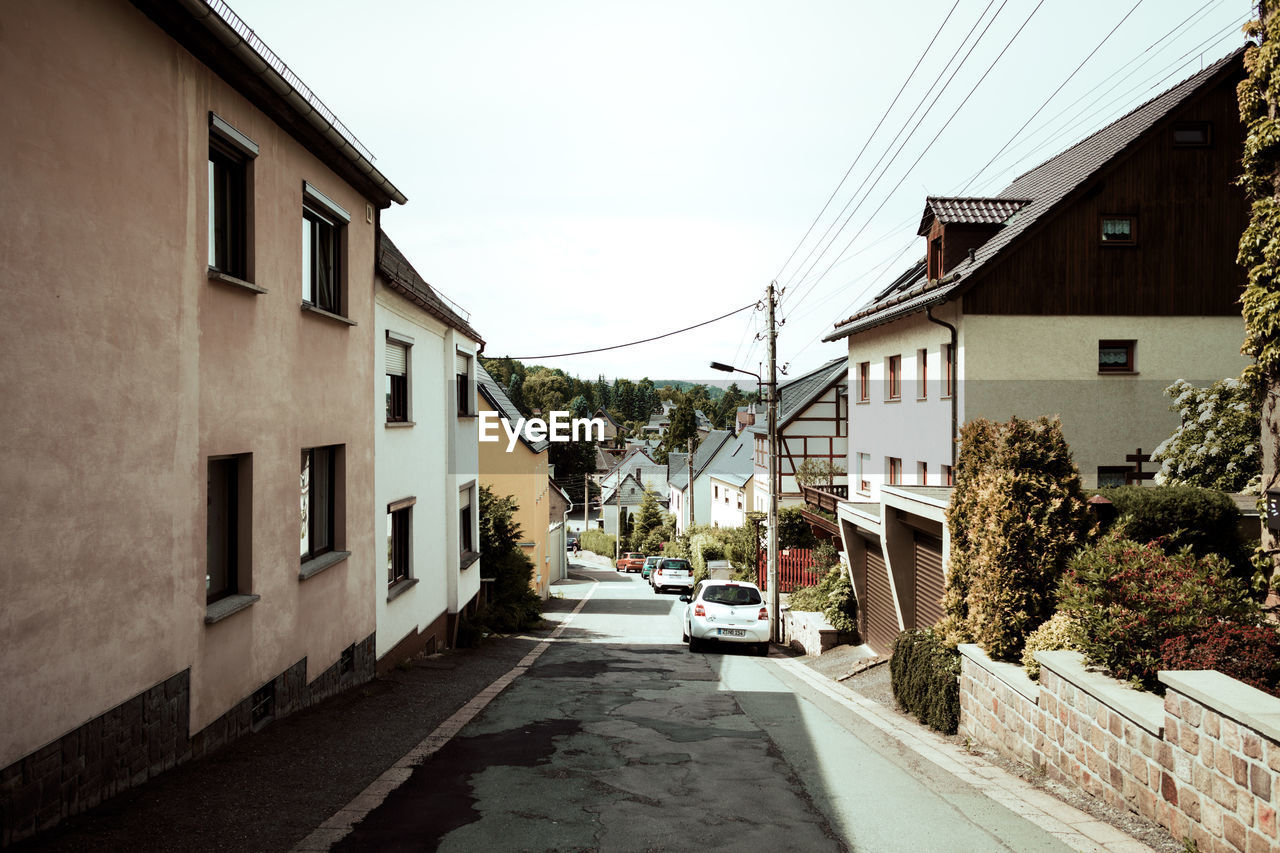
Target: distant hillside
column 715, row 387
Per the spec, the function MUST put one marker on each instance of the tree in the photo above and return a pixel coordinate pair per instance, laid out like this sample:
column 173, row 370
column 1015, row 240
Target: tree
column 683, row 427
column 1216, row 445
column 1259, row 95
column 547, row 390
column 579, row 407
column 513, row 605
column 793, row 530
column 819, row 471
column 648, row 518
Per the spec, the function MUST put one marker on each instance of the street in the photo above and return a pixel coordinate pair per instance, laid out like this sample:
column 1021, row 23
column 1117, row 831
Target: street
column 616, row 737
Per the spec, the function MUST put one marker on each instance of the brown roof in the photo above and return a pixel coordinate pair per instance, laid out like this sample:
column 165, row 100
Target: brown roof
column 969, row 211
column 405, row 280
column 1046, row 185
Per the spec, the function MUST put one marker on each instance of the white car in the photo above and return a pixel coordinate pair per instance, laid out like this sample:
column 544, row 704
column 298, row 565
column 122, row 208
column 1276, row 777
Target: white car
column 672, row 572
column 728, row 612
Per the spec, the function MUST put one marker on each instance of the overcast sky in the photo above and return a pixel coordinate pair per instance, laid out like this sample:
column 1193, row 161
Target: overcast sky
column 587, row 173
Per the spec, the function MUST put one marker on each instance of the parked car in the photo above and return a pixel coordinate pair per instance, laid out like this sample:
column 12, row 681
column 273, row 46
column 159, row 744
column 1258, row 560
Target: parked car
column 726, row 612
column 572, row 545
column 632, row 561
column 672, row 573
column 650, row 563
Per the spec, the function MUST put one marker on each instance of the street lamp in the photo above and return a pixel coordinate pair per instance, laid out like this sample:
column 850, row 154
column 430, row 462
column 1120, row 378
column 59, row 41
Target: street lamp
column 775, row 601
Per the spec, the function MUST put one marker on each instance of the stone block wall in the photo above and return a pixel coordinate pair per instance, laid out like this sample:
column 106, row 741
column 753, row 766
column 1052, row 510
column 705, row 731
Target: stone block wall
column 146, row 735
column 1204, row 761
column 811, row 633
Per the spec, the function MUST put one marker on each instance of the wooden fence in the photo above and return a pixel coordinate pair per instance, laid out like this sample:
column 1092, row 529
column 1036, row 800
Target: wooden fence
column 796, row 568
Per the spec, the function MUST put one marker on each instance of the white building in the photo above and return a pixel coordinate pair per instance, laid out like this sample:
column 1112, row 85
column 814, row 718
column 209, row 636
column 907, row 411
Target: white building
column 426, row 461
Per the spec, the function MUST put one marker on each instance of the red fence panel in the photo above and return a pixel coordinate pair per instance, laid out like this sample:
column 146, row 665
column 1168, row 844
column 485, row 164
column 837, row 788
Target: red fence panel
column 795, row 569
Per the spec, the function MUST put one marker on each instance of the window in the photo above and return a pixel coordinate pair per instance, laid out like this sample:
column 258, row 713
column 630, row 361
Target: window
column 463, row 376
column 894, row 470
column 323, row 229
column 893, row 370
column 397, row 381
column 1116, row 357
column 1110, row 476
column 922, row 472
column 864, row 381
column 466, row 526
column 231, row 154
column 399, row 525
column 1191, row 134
column 319, row 500
column 228, row 499
column 739, row 494
column 948, row 370
column 922, row 374
column 864, row 466
column 716, row 490
column 1119, row 230
column 948, row 476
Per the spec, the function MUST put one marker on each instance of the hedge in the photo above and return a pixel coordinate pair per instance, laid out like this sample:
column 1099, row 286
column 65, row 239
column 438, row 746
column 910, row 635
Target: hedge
column 597, row 542
column 925, row 676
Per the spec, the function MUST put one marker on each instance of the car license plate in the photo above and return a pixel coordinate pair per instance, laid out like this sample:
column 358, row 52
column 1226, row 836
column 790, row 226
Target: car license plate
column 731, row 632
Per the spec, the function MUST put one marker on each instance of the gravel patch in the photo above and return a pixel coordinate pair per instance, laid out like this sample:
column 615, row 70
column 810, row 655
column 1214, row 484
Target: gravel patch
column 870, row 677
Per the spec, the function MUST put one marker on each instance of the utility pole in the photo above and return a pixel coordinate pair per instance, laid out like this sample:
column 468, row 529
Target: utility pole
column 617, row 540
column 775, row 626
column 689, row 490
column 586, row 503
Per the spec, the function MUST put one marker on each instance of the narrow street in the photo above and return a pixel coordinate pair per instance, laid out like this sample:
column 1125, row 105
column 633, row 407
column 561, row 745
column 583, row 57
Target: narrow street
column 616, row 737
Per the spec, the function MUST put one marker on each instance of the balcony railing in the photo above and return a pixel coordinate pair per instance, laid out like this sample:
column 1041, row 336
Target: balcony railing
column 825, row 498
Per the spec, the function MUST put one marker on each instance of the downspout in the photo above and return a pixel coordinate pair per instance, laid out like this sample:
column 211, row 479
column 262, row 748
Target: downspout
column 564, row 525
column 955, row 381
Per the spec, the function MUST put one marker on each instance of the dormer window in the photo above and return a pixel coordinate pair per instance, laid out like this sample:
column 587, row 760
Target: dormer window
column 935, row 258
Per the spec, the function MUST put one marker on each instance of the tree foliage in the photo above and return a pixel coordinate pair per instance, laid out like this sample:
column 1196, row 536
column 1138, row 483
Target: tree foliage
column 1016, row 516
column 513, row 605
column 1216, row 443
column 648, row 519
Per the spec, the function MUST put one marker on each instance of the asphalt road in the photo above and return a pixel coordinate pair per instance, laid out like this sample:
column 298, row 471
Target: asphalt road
column 617, row 738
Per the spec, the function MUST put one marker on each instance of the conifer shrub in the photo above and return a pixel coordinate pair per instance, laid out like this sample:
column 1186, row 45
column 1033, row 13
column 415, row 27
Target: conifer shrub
column 1127, row 599
column 925, row 677
column 1057, row 634
column 1248, row 653
column 1016, row 516
column 1205, row 520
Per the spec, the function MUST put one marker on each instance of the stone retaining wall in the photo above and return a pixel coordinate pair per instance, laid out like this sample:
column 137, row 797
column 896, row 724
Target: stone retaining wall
column 1203, row 761
column 811, row 633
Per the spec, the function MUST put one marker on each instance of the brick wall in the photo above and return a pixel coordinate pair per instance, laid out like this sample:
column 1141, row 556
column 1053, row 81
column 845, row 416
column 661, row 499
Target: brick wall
column 144, row 736
column 1202, row 762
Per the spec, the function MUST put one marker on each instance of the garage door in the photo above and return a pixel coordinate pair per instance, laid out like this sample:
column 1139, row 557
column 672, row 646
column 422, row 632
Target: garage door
column 929, row 581
column 881, row 617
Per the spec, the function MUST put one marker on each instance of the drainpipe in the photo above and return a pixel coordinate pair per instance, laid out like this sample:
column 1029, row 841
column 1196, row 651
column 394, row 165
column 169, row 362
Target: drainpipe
column 564, row 552
column 955, row 381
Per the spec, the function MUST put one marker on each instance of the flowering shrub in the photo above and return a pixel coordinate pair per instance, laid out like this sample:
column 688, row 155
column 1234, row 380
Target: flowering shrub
column 1128, row 599
column 1216, row 445
column 1016, row 516
column 1248, row 653
column 1058, row 633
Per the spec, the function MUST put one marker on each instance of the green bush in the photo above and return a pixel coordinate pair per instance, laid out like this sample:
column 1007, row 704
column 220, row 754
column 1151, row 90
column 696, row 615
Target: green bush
column 705, row 544
column 925, row 676
column 512, row 605
column 793, row 530
column 832, row 596
column 598, row 542
column 1128, row 599
column 1205, row 520
column 1055, row 635
column 1016, row 516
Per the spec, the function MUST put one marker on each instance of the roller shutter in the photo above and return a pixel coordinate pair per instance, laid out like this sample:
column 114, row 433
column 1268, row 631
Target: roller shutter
column 881, row 616
column 928, row 580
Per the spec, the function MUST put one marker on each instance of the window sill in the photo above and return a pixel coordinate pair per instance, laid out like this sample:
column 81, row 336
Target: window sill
column 467, row 416
column 401, row 424
column 399, row 588
column 216, row 275
column 893, row 399
column 946, row 396
column 315, row 566
column 315, row 309
column 224, row 607
column 922, row 399
column 468, row 559
column 862, row 402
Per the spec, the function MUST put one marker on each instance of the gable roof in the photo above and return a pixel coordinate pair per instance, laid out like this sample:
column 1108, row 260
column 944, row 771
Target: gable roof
column 405, row 280
column 678, row 478
column 969, row 211
column 627, row 463
column 497, row 397
column 1047, row 185
column 735, row 464
column 796, row 395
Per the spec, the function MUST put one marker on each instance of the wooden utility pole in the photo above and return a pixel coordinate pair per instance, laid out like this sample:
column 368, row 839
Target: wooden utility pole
column 688, row 493
column 775, row 626
column 586, row 503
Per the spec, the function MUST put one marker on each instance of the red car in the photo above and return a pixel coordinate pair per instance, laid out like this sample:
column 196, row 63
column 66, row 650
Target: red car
column 632, row 561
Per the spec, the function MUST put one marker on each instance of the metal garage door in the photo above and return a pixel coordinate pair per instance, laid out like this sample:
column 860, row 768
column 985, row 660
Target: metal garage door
column 929, row 581
column 881, row 617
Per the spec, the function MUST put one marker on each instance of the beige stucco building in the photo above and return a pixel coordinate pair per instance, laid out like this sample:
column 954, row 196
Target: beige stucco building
column 188, row 337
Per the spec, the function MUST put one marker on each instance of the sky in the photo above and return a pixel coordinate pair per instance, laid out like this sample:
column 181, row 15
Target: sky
column 586, row 173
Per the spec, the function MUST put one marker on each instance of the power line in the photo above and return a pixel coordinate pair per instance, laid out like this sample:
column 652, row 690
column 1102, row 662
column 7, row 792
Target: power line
column 632, row 343
column 1070, row 76
column 872, row 135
